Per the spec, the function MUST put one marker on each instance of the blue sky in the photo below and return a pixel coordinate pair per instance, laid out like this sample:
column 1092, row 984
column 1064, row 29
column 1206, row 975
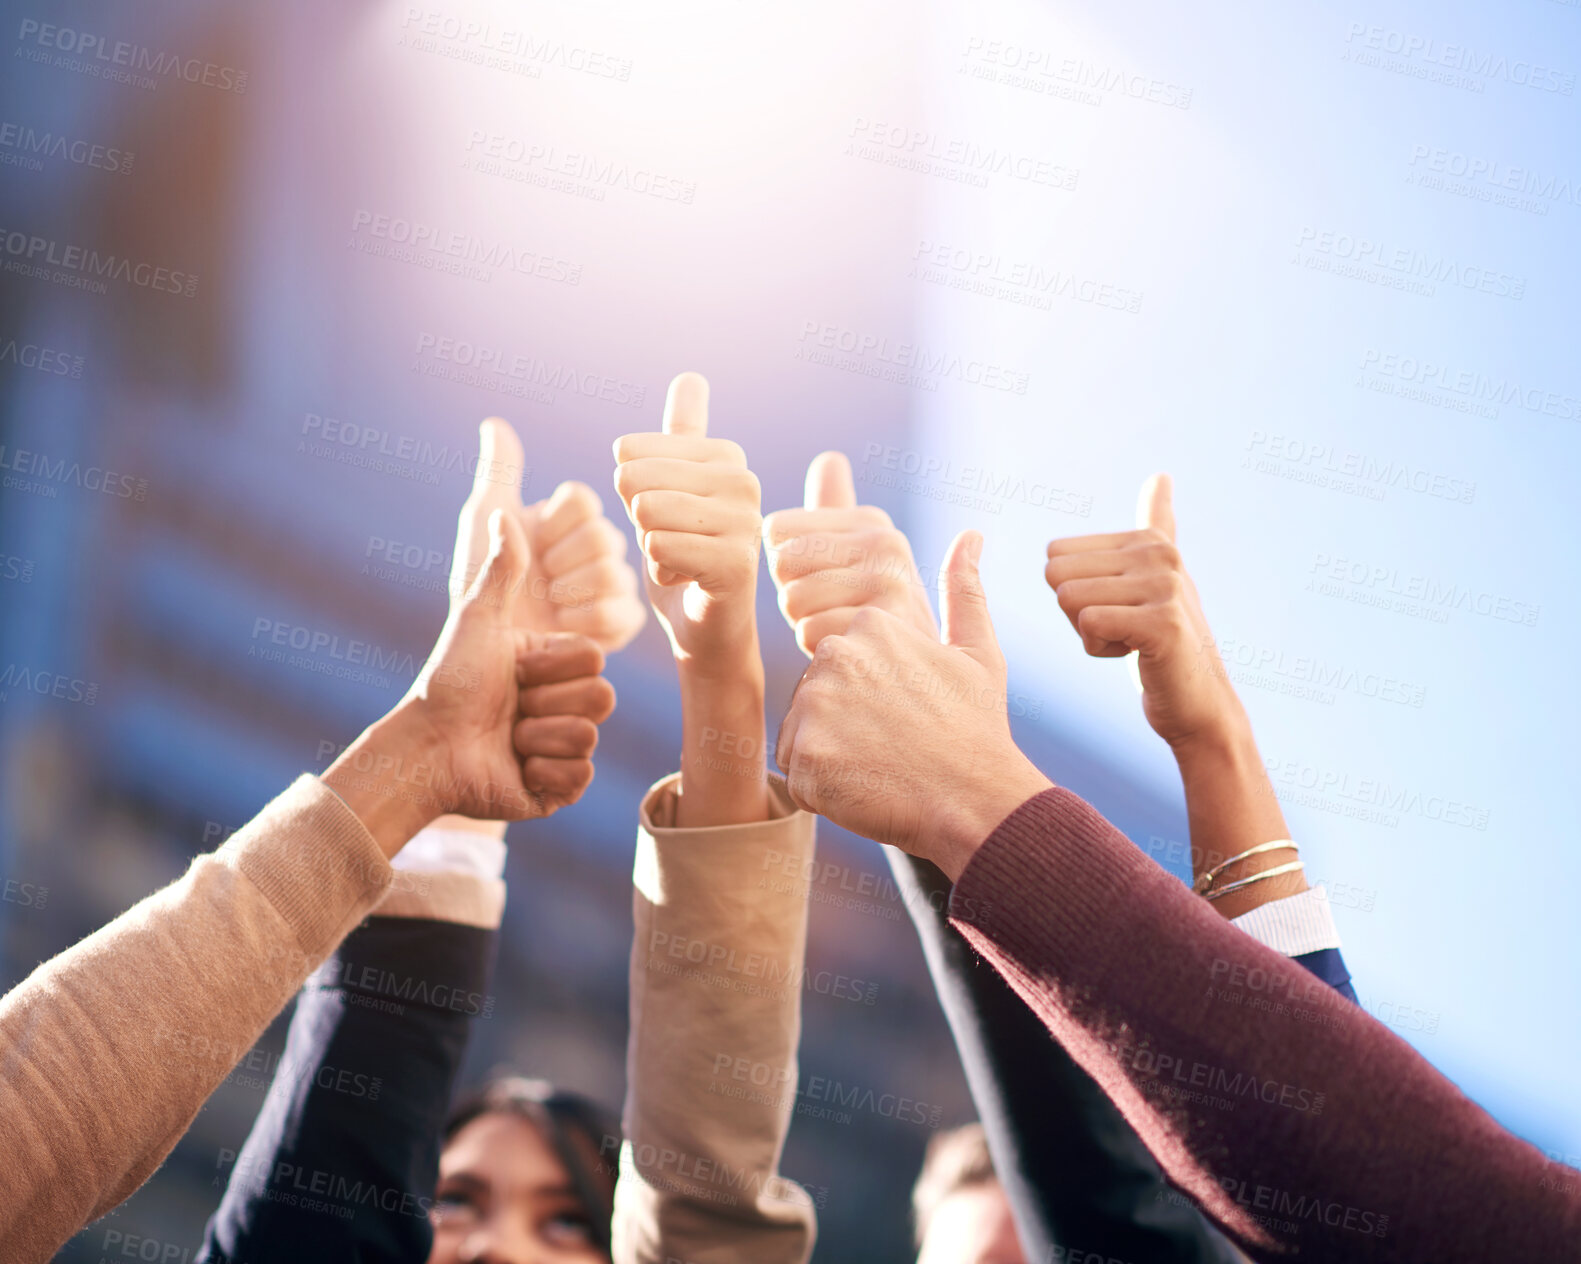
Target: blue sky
column 1326, row 476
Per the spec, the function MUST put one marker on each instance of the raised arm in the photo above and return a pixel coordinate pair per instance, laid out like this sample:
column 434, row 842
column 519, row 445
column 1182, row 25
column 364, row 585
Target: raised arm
column 379, row 1032
column 1077, row 1176
column 1129, row 594
column 716, row 962
column 93, row 1090
column 1295, row 1121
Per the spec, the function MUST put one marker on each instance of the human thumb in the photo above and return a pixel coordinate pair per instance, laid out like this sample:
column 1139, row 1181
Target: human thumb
column 962, row 602
column 505, row 571
column 686, row 406
column 498, row 476
column 829, row 483
column 1155, row 506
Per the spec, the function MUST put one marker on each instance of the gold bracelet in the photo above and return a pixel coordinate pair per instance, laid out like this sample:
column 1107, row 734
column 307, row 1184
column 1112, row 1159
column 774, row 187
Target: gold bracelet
column 1256, row 877
column 1202, row 884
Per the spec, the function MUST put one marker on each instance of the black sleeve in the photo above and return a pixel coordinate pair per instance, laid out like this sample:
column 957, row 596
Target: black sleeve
column 1077, row 1176
column 1329, row 966
column 342, row 1161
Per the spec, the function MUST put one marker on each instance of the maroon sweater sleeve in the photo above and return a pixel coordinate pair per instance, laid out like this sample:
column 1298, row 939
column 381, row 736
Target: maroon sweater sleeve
column 1297, row 1122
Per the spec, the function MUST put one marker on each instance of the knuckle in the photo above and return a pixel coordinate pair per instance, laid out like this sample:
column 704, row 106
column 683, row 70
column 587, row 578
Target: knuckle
column 830, row 649
column 581, row 498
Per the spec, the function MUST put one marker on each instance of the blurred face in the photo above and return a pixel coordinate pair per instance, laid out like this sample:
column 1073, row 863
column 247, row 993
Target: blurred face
column 973, row 1226
column 504, row 1197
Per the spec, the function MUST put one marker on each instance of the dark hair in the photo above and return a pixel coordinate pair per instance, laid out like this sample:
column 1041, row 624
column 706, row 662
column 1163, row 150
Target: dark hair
column 583, row 1133
column 956, row 1160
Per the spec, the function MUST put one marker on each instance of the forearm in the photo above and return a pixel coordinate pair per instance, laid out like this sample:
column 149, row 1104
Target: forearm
column 387, row 778
column 1078, row 1178
column 717, row 967
column 1249, row 1080
column 115, row 1044
column 361, row 1092
column 723, row 777
column 1231, row 807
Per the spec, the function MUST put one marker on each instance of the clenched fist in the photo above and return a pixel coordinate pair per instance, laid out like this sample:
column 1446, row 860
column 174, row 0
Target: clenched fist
column 577, row 578
column 835, row 557
column 897, row 736
column 500, row 723
column 1129, row 592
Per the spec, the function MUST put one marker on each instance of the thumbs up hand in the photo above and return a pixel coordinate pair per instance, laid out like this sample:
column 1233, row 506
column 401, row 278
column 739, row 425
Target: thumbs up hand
column 835, row 557
column 1128, row 592
column 695, row 506
column 577, row 578
column 897, row 736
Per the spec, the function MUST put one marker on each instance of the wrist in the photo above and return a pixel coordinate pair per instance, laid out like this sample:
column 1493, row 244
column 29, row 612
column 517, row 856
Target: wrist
column 723, row 756
column 735, row 664
column 972, row 819
column 1228, row 737
column 385, row 776
column 1232, row 807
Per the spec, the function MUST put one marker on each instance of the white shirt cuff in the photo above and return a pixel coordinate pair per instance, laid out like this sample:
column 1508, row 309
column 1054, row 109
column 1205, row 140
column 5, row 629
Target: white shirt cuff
column 453, row 851
column 1294, row 926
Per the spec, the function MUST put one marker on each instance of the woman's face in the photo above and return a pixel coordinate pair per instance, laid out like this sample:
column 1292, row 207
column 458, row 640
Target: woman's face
column 504, row 1197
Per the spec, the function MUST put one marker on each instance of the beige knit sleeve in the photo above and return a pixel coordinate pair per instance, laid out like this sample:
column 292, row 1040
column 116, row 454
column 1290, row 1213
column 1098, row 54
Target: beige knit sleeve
column 717, row 968
column 108, row 1050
